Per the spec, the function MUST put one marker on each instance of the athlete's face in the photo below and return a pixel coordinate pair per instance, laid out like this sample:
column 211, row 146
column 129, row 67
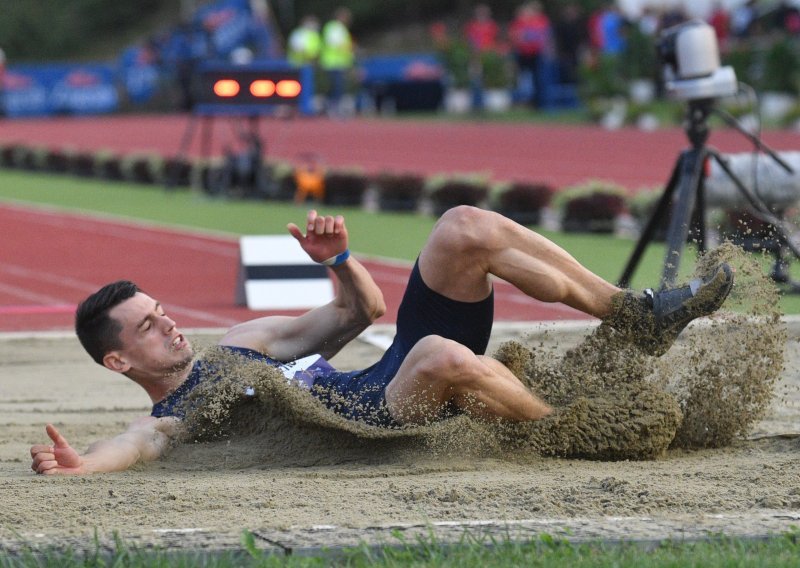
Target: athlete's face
column 152, row 344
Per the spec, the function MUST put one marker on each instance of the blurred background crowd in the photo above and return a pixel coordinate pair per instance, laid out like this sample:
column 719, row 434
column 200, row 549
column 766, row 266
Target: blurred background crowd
column 454, row 55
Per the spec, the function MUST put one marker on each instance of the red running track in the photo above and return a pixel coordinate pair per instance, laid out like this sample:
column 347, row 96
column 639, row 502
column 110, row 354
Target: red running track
column 560, row 155
column 49, row 261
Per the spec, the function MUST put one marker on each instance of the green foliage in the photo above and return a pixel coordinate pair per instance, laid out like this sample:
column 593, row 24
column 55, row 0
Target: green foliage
column 58, row 29
column 782, row 68
column 455, row 58
column 601, row 78
column 497, row 71
column 639, row 57
column 471, row 550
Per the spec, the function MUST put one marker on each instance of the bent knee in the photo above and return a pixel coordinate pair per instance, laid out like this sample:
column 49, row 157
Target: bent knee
column 463, row 230
column 445, row 363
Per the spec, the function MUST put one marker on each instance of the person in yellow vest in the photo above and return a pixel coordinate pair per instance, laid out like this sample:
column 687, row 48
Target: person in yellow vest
column 337, row 56
column 304, row 44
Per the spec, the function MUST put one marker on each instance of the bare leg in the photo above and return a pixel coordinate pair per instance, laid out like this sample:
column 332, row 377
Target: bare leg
column 439, row 371
column 469, row 244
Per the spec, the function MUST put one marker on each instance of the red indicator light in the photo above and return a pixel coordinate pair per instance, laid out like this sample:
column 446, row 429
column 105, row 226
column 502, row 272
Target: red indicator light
column 262, row 88
column 226, row 88
column 288, row 88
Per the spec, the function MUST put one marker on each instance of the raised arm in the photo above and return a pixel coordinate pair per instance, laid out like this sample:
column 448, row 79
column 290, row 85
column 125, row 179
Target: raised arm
column 324, row 330
column 146, row 439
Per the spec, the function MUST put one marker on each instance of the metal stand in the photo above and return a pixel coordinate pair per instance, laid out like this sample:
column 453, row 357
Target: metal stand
column 683, row 200
column 232, row 173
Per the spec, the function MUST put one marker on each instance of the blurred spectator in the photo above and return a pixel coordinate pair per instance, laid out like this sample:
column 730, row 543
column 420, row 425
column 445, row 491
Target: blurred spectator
column 743, row 18
column 482, row 31
column 263, row 35
column 649, row 22
column 673, row 17
column 2, row 82
column 720, row 20
column 613, row 25
column 304, row 43
column 337, row 56
column 531, row 41
column 787, row 18
column 571, row 40
column 606, row 30
column 482, row 34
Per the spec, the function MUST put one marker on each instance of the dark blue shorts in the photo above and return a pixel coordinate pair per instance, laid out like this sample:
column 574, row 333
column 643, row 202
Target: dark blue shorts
column 360, row 395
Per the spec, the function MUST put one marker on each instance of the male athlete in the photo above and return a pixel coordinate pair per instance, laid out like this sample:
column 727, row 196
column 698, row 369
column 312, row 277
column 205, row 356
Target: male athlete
column 435, row 366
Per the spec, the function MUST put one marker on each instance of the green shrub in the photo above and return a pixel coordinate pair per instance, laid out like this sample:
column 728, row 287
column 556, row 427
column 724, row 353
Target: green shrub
column 345, row 188
column 522, row 201
column 591, row 207
column 448, row 192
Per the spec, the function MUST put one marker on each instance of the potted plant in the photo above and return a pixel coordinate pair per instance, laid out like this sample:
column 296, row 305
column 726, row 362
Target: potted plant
column 108, row 165
column 345, row 187
column 57, row 160
column 7, row 155
column 205, row 174
column 522, row 201
column 281, row 174
column 81, row 163
column 591, row 207
column 177, row 172
column 33, row 158
column 139, row 168
column 398, row 192
column 446, row 193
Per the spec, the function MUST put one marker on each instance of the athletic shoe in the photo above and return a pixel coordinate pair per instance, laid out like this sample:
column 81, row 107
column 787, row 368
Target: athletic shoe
column 653, row 320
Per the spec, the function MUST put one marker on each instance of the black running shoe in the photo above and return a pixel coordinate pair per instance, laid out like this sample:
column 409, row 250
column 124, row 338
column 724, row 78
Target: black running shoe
column 653, row 320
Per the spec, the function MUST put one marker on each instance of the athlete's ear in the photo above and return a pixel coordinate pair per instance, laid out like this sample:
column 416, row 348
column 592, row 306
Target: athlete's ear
column 116, row 362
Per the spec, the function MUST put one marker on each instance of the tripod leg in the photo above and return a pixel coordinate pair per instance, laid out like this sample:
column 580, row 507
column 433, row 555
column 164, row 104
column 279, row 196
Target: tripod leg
column 690, row 176
column 699, row 216
column 205, row 141
column 186, row 141
column 652, row 225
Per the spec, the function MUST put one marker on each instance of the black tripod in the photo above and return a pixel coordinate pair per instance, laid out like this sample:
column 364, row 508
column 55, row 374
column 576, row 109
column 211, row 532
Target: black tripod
column 683, row 200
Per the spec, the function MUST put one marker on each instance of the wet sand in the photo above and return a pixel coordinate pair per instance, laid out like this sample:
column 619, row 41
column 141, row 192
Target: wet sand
column 307, row 491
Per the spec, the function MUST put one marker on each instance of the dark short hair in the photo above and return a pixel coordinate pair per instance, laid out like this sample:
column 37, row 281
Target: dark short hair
column 97, row 331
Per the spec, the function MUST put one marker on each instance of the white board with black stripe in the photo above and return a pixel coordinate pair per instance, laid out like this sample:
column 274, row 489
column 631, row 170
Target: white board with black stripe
column 276, row 274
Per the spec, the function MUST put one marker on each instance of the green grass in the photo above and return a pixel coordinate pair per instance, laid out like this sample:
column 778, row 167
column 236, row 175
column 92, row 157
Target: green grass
column 399, row 235
column 782, row 550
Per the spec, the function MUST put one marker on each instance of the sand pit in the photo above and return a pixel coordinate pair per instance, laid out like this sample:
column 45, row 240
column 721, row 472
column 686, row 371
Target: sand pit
column 312, row 493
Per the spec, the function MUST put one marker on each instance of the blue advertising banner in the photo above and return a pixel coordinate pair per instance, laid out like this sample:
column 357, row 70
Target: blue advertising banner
column 228, row 23
column 37, row 90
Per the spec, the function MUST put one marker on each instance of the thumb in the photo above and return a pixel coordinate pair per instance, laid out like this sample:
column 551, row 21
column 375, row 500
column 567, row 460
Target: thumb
column 295, row 231
column 55, row 435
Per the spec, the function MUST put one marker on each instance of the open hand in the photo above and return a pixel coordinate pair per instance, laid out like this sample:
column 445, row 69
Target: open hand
column 326, row 236
column 59, row 458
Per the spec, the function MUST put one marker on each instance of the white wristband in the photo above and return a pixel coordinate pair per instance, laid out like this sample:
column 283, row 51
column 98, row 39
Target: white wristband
column 338, row 259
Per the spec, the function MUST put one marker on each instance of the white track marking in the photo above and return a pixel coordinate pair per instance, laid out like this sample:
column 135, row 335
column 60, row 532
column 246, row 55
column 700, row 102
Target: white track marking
column 89, row 287
column 25, row 294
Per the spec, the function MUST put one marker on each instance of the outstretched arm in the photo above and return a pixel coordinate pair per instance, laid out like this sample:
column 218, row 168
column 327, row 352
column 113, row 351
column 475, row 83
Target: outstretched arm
column 324, row 330
column 145, row 440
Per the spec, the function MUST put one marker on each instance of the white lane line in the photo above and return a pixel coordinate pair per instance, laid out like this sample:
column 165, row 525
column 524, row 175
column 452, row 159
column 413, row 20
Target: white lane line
column 30, row 296
column 132, row 232
column 89, row 287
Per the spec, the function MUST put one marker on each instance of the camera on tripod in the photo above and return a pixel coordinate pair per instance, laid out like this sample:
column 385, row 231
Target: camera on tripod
column 691, row 66
column 692, row 72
